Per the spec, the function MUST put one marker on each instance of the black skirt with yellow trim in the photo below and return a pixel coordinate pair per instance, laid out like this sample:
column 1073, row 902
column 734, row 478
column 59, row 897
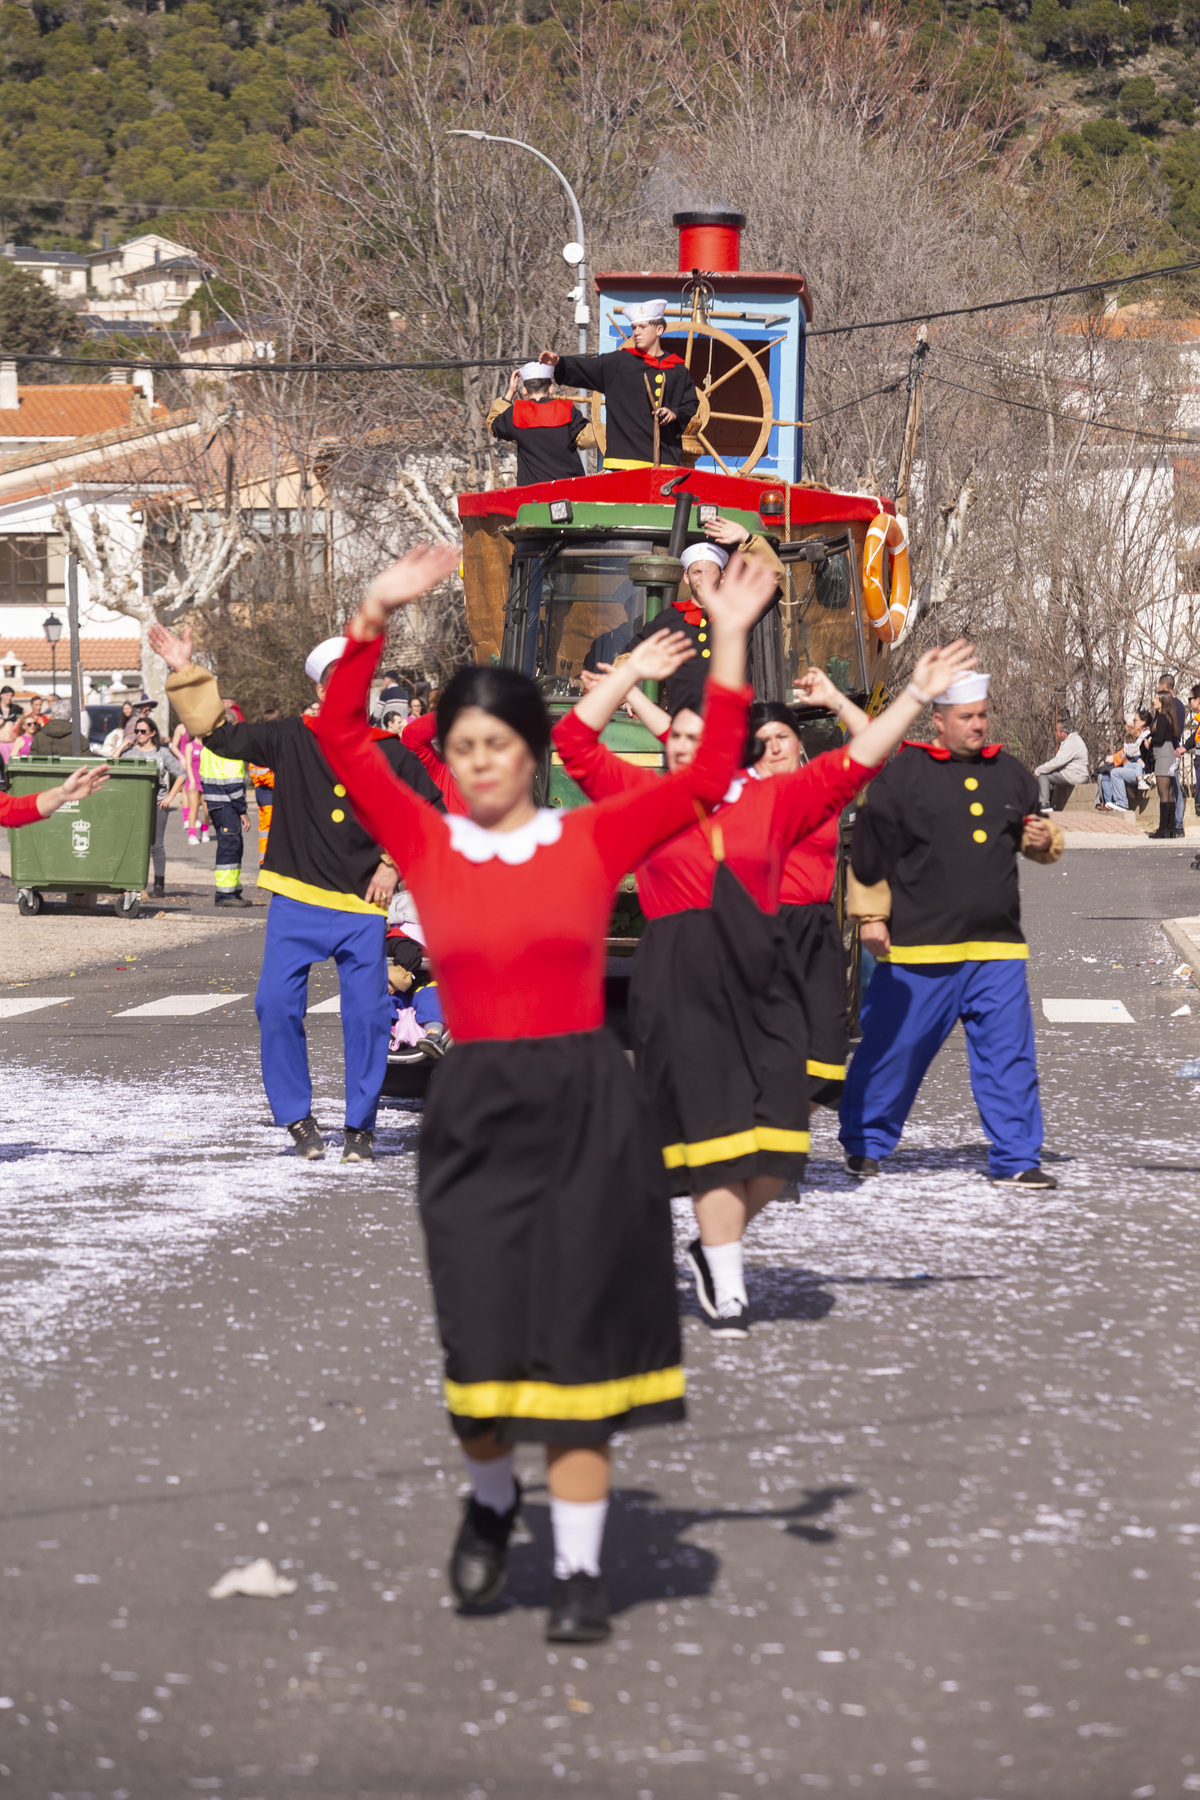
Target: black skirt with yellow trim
column 723, row 1068
column 548, row 1230
column 818, row 963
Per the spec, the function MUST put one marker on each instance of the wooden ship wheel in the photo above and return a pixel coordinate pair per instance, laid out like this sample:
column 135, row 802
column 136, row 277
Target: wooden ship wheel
column 734, row 420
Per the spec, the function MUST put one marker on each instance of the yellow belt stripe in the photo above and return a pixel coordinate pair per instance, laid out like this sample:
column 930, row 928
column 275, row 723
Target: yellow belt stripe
column 830, row 1071
column 549, row 1400
column 945, row 953
column 739, row 1143
column 625, row 462
column 315, row 896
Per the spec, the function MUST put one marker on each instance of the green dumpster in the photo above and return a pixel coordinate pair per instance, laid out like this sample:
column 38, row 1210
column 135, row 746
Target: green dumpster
column 100, row 845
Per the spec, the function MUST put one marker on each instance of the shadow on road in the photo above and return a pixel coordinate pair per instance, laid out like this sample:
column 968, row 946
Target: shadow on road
column 646, row 1554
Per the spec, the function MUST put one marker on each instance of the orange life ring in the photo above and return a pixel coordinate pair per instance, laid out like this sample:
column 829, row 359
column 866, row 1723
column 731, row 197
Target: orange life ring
column 887, row 614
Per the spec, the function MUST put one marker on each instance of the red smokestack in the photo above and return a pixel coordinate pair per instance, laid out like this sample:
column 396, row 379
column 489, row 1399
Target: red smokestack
column 710, row 240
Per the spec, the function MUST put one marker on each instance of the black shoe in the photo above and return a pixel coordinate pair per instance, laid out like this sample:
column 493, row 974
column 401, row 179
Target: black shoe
column 1027, row 1178
column 306, row 1135
column 358, row 1146
column 479, row 1559
column 232, row 901
column 435, row 1043
column 159, row 890
column 731, row 1321
column 861, row 1167
column 578, row 1611
column 706, row 1293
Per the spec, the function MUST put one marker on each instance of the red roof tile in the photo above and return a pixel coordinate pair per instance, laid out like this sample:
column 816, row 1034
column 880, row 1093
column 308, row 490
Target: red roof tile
column 94, row 653
column 71, row 409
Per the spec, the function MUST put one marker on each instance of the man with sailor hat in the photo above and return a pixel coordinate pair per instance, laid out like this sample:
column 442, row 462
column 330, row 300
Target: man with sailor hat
column 687, row 614
column 933, row 886
column 329, row 894
column 545, row 430
column 642, row 386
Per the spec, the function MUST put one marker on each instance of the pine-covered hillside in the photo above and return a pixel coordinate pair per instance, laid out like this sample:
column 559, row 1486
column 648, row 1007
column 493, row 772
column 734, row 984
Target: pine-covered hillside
column 176, row 106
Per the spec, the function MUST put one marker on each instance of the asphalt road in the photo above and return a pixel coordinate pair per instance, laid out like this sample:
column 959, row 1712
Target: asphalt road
column 934, row 1529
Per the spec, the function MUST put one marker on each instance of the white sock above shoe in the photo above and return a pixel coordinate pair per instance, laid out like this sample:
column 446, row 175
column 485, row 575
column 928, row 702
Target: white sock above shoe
column 492, row 1483
column 578, row 1527
column 728, row 1273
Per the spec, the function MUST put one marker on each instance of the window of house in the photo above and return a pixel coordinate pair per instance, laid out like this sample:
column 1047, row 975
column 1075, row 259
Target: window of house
column 23, row 572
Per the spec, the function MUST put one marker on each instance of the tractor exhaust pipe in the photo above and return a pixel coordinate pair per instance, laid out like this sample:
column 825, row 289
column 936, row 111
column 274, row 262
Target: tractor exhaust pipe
column 710, row 242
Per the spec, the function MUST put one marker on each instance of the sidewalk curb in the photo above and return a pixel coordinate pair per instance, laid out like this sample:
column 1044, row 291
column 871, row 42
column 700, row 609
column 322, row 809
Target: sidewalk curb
column 1183, row 935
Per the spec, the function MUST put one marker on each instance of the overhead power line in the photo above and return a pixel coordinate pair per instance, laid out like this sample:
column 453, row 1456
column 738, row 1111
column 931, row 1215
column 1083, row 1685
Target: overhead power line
column 1156, row 437
column 961, row 312
column 261, row 367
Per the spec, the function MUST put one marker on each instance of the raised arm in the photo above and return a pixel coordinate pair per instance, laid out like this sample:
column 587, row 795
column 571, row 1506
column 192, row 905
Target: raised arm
column 655, row 659
column 933, row 673
column 815, row 689
column 418, row 736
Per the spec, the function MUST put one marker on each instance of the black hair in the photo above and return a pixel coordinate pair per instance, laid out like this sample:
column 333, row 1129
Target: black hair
column 510, row 697
column 1145, row 715
column 752, row 749
column 406, row 953
column 768, row 712
column 537, row 381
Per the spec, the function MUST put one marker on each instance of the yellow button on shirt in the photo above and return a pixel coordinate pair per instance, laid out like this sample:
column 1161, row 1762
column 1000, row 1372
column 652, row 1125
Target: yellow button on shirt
column 976, row 807
column 971, row 783
column 337, row 815
column 980, row 837
column 339, row 790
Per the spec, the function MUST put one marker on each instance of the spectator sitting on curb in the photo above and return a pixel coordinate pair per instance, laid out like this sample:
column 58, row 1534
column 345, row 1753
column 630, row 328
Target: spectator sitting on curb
column 1122, row 775
column 1068, row 767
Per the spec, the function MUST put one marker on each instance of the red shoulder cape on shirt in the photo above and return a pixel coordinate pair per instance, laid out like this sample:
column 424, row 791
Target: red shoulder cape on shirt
column 537, row 415
column 939, row 752
column 670, row 361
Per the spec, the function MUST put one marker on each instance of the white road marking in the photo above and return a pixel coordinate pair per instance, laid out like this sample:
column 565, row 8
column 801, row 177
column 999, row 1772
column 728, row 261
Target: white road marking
column 12, row 1009
column 328, row 1006
column 1087, row 1012
column 179, row 1006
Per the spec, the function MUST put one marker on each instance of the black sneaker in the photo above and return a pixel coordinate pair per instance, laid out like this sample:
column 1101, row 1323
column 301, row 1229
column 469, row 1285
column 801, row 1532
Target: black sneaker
column 732, row 1320
column 861, row 1167
column 435, row 1043
column 358, row 1146
column 697, row 1262
column 479, row 1559
column 306, row 1135
column 578, row 1610
column 1027, row 1178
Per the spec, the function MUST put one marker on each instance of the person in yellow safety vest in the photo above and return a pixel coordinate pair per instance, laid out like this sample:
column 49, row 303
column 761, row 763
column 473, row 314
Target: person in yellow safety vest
column 223, row 784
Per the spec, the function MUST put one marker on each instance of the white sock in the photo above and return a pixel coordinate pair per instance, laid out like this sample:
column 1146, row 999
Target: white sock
column 492, row 1482
column 725, row 1262
column 578, row 1527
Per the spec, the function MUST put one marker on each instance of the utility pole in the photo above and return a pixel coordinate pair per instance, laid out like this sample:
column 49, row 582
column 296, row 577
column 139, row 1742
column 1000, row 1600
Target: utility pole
column 908, row 448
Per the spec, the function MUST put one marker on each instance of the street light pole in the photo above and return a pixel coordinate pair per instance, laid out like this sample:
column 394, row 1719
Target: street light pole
column 52, row 627
column 583, row 312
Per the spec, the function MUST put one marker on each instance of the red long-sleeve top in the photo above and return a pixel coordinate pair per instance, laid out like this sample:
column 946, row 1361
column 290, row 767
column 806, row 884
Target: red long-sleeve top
column 515, row 921
column 810, row 866
column 759, row 824
column 418, row 736
column 21, row 809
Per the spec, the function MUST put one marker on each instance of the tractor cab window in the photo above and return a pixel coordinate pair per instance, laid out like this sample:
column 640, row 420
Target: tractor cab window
column 822, row 625
column 570, row 607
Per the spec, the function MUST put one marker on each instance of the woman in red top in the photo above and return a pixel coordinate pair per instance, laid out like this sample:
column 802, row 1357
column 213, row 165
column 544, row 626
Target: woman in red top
column 811, row 933
column 541, row 1187
column 721, row 1046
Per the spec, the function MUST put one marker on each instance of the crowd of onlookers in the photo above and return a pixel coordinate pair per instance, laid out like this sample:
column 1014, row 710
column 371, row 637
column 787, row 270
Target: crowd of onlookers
column 1159, row 755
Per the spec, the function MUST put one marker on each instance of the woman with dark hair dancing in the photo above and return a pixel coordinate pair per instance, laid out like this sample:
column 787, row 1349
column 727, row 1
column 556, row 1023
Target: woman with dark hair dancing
column 807, row 915
column 541, row 1184
column 719, row 1029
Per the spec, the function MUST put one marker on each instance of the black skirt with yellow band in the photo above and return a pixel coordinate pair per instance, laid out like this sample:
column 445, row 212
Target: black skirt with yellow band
column 813, row 941
column 548, row 1231
column 723, row 1068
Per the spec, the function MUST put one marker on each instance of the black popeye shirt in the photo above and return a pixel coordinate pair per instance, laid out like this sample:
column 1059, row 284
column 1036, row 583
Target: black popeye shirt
column 945, row 834
column 545, row 433
column 621, row 375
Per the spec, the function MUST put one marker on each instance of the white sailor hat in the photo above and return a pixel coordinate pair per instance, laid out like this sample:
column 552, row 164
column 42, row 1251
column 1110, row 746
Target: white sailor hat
column 967, row 688
column 704, row 553
column 323, row 656
column 536, row 371
column 646, row 312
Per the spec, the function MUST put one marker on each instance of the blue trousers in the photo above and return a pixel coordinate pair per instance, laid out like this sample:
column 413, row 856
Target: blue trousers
column 299, row 935
column 227, row 823
column 907, row 1015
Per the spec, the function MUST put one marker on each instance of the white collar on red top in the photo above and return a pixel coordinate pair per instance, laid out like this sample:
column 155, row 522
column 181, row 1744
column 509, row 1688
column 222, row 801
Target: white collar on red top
column 734, row 790
column 479, row 845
